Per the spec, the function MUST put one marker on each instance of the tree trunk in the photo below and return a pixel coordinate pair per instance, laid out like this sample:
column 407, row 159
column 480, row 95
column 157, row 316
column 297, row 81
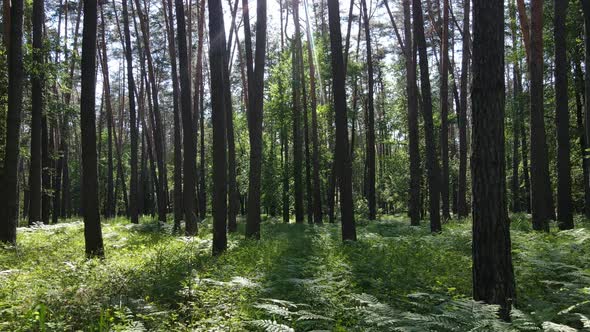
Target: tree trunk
column 177, row 130
column 189, row 161
column 36, row 167
column 493, row 275
column 586, row 10
column 317, row 194
column 370, row 123
column 444, row 112
column 297, row 110
column 541, row 193
column 159, row 141
column 429, row 130
column 255, row 71
column 9, row 190
column 343, row 162
column 92, row 229
column 134, row 213
column 462, row 209
column 110, row 200
column 564, row 176
column 516, row 114
column 219, row 85
column 579, row 92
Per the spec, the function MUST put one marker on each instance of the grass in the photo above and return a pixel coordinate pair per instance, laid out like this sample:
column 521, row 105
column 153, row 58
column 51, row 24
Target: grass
column 297, row 278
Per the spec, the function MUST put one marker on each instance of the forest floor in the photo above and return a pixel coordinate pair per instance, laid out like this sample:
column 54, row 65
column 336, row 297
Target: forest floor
column 297, row 278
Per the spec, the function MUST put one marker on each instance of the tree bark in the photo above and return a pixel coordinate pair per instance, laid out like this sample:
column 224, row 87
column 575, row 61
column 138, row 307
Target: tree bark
column 92, row 228
column 462, row 209
column 189, row 161
column 36, row 167
column 432, row 165
column 255, row 71
column 110, row 200
column 370, row 123
column 493, row 275
column 343, row 164
column 564, row 177
column 297, row 110
column 444, row 112
column 541, row 193
column 218, row 67
column 9, row 190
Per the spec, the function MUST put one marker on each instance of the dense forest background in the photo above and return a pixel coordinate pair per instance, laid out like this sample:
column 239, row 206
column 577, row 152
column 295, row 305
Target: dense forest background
column 440, row 144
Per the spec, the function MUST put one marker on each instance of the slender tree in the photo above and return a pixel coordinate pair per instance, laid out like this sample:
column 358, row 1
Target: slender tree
column 317, row 195
column 541, row 193
column 493, row 275
column 177, row 129
column 133, row 197
column 342, row 155
column 564, row 176
column 9, row 189
column 189, row 160
column 429, row 130
column 92, row 228
column 462, row 209
column 110, row 187
column 444, row 112
column 218, row 69
column 371, row 196
column 35, row 174
column 297, row 112
column 255, row 72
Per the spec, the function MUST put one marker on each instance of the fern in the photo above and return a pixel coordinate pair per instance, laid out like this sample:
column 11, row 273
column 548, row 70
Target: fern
column 271, row 326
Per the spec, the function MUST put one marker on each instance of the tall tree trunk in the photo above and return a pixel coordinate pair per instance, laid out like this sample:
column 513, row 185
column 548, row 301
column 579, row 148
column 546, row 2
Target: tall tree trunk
column 516, row 113
column 36, row 167
column 92, row 229
column 344, row 165
column 110, row 200
column 255, row 71
column 586, row 10
column 541, row 193
column 429, row 130
column 317, row 194
column 444, row 112
column 297, row 110
column 493, row 275
column 579, row 92
column 564, row 175
column 189, row 161
column 462, row 209
column 9, row 190
column 308, row 195
column 232, row 185
column 371, row 196
column 218, row 66
column 47, row 165
column 159, row 141
column 134, row 213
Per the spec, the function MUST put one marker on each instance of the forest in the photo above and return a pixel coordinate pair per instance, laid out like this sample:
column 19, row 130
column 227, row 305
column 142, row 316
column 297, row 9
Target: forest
column 295, row 165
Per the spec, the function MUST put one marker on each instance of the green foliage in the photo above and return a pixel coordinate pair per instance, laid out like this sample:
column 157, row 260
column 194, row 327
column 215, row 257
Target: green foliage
column 297, row 278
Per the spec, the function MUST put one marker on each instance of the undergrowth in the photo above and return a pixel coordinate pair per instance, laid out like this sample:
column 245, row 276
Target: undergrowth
column 297, row 278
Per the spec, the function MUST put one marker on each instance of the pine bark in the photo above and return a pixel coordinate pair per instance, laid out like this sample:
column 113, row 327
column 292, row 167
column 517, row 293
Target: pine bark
column 9, row 190
column 541, row 193
column 564, row 175
column 218, row 67
column 432, row 165
column 36, row 167
column 92, row 228
column 342, row 155
column 444, row 112
column 493, row 275
column 255, row 72
column 462, row 209
column 371, row 196
column 189, row 162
